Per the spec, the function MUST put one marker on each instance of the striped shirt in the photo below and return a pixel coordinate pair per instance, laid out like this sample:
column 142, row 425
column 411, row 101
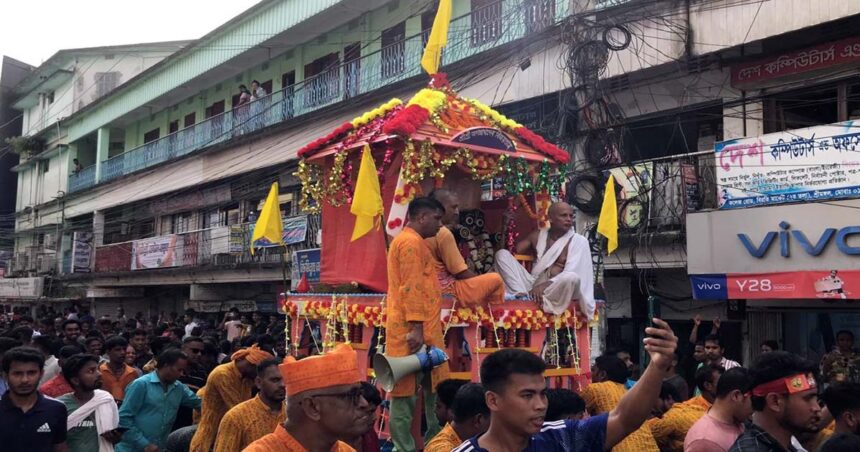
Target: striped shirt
column 587, row 435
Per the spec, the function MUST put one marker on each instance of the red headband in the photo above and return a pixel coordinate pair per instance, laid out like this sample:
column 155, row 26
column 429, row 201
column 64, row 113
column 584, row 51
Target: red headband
column 787, row 385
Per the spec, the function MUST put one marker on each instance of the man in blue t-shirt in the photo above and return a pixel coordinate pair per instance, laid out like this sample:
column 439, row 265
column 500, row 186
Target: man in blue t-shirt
column 516, row 396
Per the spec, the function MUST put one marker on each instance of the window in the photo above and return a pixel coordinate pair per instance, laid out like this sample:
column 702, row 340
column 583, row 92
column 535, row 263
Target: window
column 539, row 14
column 799, row 109
column 352, row 69
column 486, row 21
column 44, row 165
column 215, row 109
column 324, row 77
column 427, row 19
column 49, row 98
column 173, row 127
column 288, row 80
column 393, row 50
column 189, row 120
column 106, row 82
column 152, row 135
column 182, row 222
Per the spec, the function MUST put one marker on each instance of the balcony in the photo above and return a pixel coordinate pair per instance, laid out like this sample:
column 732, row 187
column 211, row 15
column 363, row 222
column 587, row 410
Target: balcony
column 83, row 179
column 493, row 25
column 678, row 185
column 217, row 247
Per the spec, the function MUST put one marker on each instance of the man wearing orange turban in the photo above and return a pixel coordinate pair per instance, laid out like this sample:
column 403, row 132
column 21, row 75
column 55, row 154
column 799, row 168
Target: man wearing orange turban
column 227, row 386
column 325, row 403
column 414, row 318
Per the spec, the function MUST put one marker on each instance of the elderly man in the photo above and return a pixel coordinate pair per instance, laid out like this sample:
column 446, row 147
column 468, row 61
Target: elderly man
column 562, row 269
column 227, row 386
column 454, row 275
column 325, row 404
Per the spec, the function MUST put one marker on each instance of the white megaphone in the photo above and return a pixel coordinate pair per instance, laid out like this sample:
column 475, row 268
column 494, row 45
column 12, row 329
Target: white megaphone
column 389, row 369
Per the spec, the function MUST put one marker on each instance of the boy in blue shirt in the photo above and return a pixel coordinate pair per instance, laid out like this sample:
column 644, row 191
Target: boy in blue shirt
column 516, row 396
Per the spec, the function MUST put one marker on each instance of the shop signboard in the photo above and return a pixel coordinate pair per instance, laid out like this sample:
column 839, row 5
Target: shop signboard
column 797, row 63
column 82, row 252
column 827, row 285
column 789, row 251
column 21, row 287
column 307, row 262
column 222, row 306
column 811, row 164
column 156, row 252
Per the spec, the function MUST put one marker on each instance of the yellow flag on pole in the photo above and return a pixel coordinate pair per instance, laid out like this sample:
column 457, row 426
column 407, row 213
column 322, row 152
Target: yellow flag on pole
column 269, row 227
column 438, row 38
column 607, row 223
column 367, row 200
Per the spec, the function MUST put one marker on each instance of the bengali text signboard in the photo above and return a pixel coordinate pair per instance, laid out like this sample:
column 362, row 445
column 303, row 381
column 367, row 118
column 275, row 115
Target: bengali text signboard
column 821, row 57
column 811, row 164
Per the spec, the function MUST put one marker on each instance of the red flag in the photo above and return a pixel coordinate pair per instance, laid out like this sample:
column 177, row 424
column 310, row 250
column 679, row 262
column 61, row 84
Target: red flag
column 304, row 286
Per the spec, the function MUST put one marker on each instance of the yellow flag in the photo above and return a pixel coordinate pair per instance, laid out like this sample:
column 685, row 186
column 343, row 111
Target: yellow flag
column 269, row 226
column 607, row 224
column 438, row 38
column 367, row 200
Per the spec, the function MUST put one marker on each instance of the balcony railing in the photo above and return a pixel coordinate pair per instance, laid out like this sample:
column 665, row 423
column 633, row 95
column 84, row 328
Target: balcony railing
column 678, row 185
column 83, row 179
column 218, row 246
column 490, row 26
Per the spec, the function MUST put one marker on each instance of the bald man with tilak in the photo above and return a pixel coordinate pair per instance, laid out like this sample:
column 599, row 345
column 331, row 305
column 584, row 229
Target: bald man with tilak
column 562, row 270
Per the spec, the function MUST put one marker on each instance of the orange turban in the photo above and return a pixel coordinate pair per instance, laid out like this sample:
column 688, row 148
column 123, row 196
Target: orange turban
column 252, row 354
column 338, row 367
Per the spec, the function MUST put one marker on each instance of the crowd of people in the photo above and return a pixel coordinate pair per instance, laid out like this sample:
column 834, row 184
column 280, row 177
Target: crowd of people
column 71, row 382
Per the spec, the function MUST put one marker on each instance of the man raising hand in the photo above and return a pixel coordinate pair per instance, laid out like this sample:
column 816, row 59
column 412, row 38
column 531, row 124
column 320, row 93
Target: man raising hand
column 516, row 396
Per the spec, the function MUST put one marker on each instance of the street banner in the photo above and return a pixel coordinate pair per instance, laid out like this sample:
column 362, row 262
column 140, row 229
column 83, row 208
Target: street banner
column 811, row 164
column 295, row 229
column 82, row 252
column 827, row 285
column 157, row 252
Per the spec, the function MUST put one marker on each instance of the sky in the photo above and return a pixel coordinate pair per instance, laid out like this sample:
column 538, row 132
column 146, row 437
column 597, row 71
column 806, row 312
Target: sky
column 34, row 30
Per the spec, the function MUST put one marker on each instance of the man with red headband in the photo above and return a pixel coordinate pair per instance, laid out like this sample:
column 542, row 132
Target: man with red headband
column 227, row 386
column 784, row 401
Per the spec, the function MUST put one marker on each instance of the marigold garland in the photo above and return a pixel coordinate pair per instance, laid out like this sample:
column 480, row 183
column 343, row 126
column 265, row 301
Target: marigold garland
column 376, row 113
column 374, row 316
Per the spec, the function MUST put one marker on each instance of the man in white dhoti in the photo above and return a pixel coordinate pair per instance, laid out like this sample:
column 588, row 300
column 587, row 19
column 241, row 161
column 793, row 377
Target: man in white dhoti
column 562, row 270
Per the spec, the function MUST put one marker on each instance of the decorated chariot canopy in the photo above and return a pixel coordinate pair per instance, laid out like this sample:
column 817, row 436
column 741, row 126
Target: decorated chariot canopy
column 434, row 132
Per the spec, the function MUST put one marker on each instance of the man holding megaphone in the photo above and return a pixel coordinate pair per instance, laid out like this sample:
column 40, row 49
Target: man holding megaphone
column 413, row 323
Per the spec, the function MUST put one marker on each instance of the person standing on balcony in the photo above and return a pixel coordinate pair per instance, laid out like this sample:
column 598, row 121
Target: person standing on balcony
column 78, row 166
column 257, row 91
column 244, row 96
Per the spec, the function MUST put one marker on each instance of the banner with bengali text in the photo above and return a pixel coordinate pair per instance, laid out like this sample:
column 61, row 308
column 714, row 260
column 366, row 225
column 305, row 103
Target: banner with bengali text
column 811, row 164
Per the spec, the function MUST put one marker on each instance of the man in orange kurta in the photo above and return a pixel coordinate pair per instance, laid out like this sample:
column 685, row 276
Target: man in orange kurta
column 454, row 275
column 414, row 317
column 325, row 403
column 227, row 386
column 255, row 418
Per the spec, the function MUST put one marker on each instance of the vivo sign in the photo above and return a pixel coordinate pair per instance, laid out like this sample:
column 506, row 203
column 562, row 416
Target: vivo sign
column 813, row 246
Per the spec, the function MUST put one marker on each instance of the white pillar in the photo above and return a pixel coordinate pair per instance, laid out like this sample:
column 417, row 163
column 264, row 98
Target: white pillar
column 102, row 146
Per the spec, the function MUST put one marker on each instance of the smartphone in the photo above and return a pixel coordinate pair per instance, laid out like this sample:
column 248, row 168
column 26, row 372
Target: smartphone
column 653, row 310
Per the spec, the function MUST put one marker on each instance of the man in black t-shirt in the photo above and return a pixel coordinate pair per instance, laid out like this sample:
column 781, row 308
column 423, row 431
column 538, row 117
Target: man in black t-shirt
column 29, row 421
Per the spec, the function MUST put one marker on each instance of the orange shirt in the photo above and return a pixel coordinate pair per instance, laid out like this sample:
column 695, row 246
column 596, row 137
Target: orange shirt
column 444, row 441
column 603, row 397
column 225, row 388
column 246, row 423
column 671, row 430
column 413, row 296
column 282, row 441
column 446, row 256
column 116, row 385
